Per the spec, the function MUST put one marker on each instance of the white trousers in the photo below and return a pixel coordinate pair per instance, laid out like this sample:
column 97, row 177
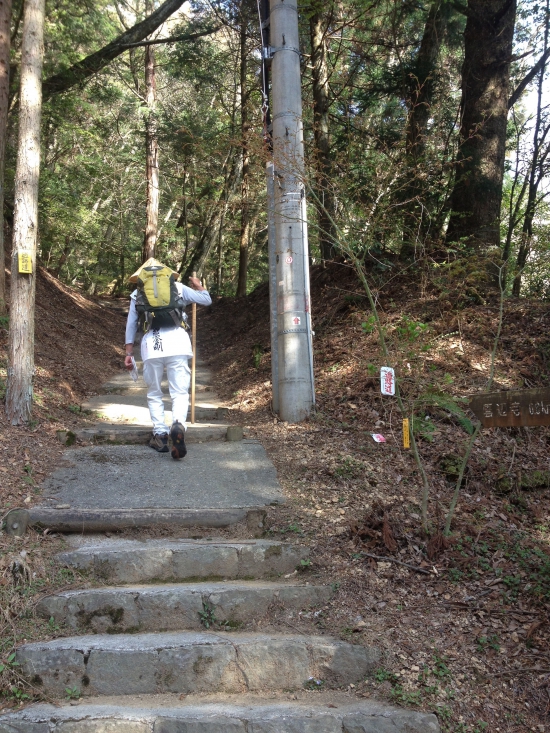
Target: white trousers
column 179, row 377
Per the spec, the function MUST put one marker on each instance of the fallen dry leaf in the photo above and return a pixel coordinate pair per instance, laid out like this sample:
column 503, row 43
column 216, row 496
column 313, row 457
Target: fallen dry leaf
column 535, row 626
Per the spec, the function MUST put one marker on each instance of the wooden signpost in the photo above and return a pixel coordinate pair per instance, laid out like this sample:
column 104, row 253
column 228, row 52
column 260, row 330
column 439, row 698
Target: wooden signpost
column 517, row 407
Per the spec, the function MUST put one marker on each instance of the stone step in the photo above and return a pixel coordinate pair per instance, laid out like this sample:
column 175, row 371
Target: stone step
column 122, row 380
column 73, row 519
column 213, row 475
column 133, row 561
column 190, row 662
column 109, row 487
column 122, row 383
column 131, row 408
column 137, row 435
column 177, row 607
column 204, row 394
column 318, row 713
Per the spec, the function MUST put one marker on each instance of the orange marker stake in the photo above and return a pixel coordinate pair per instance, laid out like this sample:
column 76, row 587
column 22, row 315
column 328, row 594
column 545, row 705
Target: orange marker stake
column 406, row 433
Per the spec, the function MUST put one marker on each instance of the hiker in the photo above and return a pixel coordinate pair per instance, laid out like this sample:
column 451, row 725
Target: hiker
column 159, row 302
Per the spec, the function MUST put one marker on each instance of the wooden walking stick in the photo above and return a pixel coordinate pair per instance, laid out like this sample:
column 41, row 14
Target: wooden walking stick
column 194, row 357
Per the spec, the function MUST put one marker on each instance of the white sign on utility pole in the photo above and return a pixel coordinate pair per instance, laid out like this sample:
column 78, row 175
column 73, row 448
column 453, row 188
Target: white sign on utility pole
column 295, row 351
column 387, row 381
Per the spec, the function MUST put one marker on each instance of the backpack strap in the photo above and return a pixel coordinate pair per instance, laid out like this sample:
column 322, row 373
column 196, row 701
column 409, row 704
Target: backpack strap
column 176, row 317
column 147, row 321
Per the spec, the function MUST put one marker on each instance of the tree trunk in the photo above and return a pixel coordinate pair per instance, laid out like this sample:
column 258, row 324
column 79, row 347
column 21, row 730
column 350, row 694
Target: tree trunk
column 422, row 81
column 209, row 236
column 121, row 272
column 63, row 258
column 206, row 241
column 5, row 18
column 321, row 129
column 535, row 178
column 219, row 269
column 182, row 219
column 152, row 157
column 528, row 78
column 245, row 213
column 514, row 207
column 25, row 227
column 477, row 192
column 421, row 91
column 210, row 233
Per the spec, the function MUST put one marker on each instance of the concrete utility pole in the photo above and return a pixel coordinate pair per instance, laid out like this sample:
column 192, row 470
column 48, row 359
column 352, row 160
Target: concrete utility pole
column 270, row 183
column 272, row 247
column 296, row 387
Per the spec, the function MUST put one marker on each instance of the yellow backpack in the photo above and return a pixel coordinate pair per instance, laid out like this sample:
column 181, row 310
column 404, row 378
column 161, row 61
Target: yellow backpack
column 158, row 301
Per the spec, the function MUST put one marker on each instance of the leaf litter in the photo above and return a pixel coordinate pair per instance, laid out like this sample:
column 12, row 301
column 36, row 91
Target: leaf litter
column 455, row 637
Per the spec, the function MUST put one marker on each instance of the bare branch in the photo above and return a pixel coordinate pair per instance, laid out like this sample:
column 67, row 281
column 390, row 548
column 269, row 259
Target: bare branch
column 89, row 66
column 527, row 79
column 175, row 39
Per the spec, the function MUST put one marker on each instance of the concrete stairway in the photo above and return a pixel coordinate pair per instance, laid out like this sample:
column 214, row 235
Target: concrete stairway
column 172, row 643
column 184, row 677
column 101, row 487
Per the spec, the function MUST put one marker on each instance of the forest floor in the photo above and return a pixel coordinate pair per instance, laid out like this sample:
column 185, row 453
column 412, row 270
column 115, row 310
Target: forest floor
column 463, row 622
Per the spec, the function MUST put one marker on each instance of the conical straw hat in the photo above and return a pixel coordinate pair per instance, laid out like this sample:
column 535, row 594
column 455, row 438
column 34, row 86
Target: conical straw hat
column 151, row 261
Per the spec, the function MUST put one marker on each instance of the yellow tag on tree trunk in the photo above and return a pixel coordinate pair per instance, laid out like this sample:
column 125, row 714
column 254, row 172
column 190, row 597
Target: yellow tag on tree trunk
column 25, row 262
column 406, row 434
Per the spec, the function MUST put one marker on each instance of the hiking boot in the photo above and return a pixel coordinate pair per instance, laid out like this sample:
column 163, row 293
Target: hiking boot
column 177, row 433
column 159, row 442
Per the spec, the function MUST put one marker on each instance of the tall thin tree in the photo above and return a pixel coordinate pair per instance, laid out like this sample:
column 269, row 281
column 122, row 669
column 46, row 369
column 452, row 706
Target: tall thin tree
column 19, row 388
column 321, row 130
column 421, row 93
column 5, row 17
column 152, row 156
column 423, row 79
column 244, row 239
